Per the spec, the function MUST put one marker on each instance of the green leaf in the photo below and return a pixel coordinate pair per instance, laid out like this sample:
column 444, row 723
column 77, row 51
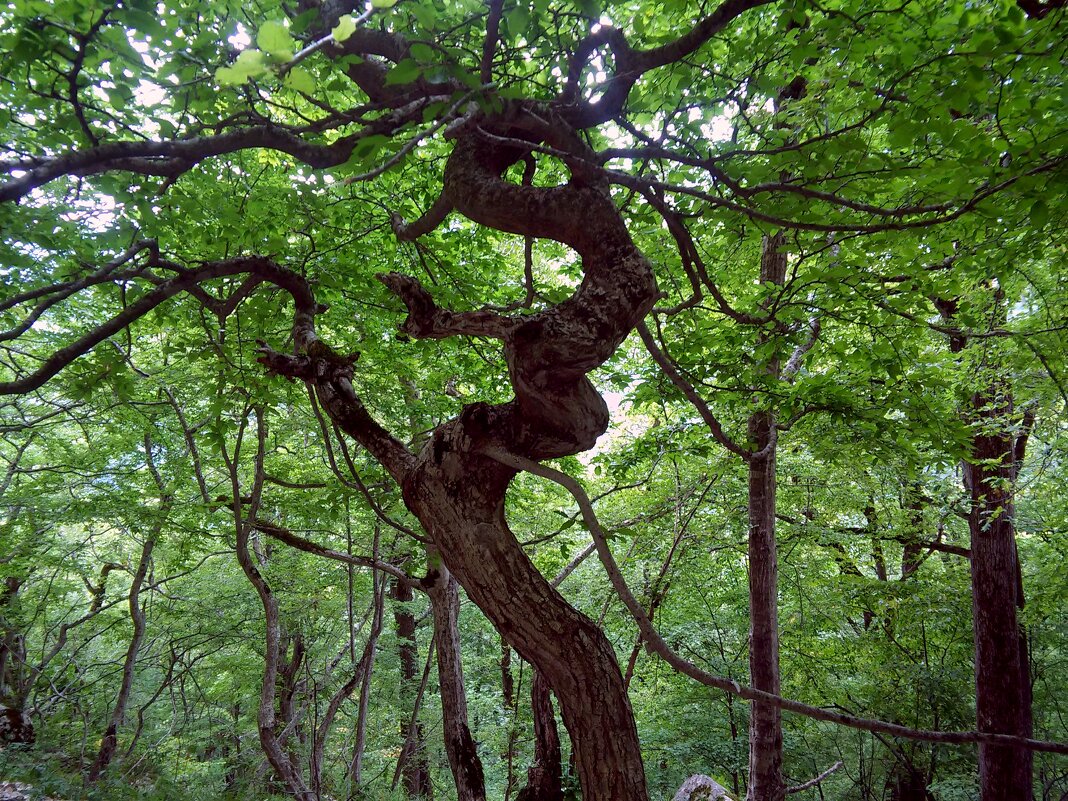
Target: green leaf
column 422, row 53
column 346, row 26
column 274, row 38
column 383, row 3
column 1039, row 214
column 405, row 72
column 300, row 80
column 249, row 64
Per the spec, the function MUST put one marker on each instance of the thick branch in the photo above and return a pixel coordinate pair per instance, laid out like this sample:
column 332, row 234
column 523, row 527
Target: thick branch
column 631, row 64
column 427, row 321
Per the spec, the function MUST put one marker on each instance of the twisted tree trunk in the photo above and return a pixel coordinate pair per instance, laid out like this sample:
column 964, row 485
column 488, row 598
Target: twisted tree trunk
column 458, row 493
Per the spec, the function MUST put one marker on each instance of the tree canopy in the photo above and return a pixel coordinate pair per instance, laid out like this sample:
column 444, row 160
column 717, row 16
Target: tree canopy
column 534, row 400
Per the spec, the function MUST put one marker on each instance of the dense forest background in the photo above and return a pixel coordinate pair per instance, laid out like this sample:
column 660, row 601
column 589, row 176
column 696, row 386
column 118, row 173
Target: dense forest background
column 305, row 492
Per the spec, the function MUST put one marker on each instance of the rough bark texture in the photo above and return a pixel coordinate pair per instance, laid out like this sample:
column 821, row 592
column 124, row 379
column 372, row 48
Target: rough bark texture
column 415, row 775
column 458, row 493
column 459, row 745
column 16, row 726
column 1002, row 683
column 545, row 776
column 9, row 636
column 765, row 720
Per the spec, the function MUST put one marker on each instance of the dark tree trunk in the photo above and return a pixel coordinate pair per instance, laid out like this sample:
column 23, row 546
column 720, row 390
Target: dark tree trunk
column 765, row 721
column 459, row 745
column 456, row 490
column 509, row 699
column 458, row 493
column 1002, row 683
column 545, row 776
column 415, row 776
column 570, row 649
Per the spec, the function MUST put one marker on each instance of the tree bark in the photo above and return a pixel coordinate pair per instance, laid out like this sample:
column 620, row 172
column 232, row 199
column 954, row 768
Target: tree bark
column 570, row 649
column 545, row 776
column 1002, row 683
column 459, row 744
column 458, row 494
column 765, row 720
column 137, row 617
column 415, row 774
column 455, row 490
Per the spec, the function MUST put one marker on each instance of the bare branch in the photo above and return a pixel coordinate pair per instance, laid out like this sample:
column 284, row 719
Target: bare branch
column 797, row 788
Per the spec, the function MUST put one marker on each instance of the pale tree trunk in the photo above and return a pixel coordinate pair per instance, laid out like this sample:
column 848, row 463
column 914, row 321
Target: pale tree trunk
column 110, row 741
column 285, row 768
column 765, row 720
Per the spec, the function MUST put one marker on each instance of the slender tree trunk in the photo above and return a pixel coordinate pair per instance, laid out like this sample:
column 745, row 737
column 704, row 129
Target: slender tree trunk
column 765, row 721
column 545, row 776
column 137, row 616
column 360, row 741
column 415, row 774
column 459, row 745
column 509, row 700
column 285, row 768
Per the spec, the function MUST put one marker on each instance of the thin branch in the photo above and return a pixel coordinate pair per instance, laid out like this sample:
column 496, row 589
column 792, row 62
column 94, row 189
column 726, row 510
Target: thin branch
column 657, row 645
column 797, row 788
column 686, row 388
column 286, row 536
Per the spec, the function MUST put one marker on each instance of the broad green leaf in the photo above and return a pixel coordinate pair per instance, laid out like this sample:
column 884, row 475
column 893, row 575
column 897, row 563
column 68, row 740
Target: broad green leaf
column 274, row 39
column 1039, row 213
column 300, row 80
column 249, row 64
column 405, row 72
column 346, row 26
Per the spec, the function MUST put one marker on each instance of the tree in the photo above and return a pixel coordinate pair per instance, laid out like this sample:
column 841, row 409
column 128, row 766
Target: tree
column 543, row 122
